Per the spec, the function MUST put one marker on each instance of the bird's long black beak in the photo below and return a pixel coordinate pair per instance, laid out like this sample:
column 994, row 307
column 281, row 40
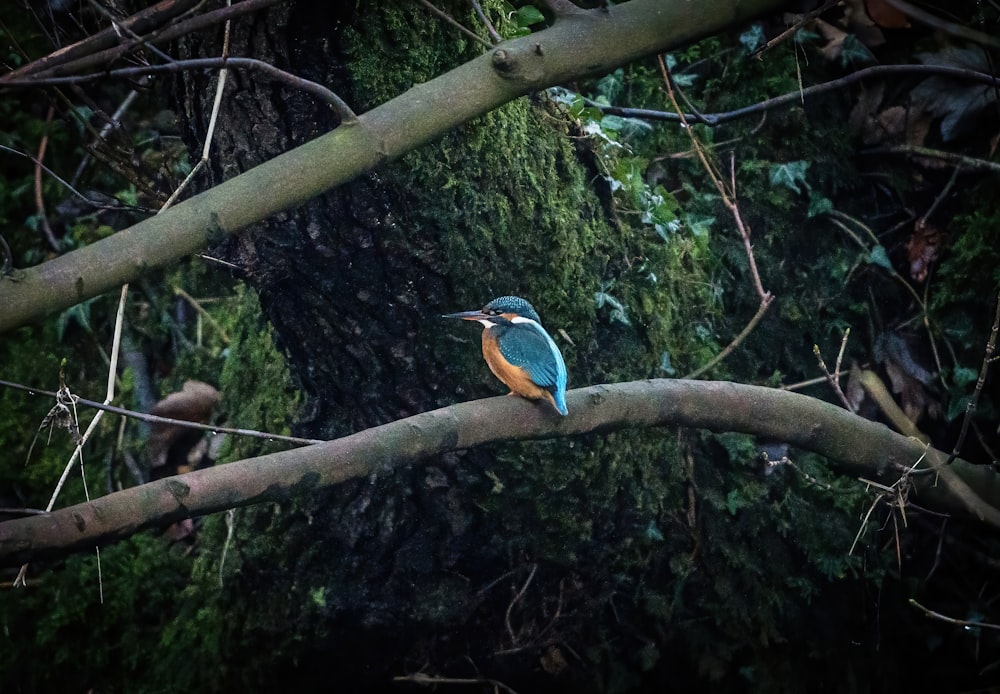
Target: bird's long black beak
column 466, row 315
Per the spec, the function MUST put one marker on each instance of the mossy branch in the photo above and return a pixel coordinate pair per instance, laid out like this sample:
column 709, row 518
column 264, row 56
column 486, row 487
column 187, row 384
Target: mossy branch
column 578, row 44
column 858, row 446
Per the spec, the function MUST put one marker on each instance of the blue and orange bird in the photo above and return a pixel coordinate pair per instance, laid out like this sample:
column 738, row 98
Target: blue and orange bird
column 519, row 352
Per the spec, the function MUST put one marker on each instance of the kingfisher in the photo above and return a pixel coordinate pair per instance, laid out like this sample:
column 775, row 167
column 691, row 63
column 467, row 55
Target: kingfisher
column 519, row 352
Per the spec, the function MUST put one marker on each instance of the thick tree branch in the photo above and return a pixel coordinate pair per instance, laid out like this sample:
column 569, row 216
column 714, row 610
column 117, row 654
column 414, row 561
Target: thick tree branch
column 579, row 44
column 861, row 447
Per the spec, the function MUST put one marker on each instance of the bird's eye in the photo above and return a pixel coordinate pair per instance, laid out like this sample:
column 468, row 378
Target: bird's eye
column 492, row 312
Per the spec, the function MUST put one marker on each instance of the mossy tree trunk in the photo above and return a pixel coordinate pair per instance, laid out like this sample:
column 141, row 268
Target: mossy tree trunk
column 354, row 284
column 356, row 280
column 518, row 561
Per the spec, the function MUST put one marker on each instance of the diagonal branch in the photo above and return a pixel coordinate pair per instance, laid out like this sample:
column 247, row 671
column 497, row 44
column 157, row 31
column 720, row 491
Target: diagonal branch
column 606, row 38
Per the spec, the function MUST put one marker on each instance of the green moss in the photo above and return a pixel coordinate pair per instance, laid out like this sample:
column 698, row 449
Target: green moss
column 271, row 402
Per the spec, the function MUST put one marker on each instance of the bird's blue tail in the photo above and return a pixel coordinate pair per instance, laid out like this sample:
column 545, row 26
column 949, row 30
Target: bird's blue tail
column 560, row 398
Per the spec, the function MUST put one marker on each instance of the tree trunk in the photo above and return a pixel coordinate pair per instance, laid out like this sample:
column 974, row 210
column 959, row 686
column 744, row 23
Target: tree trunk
column 509, row 560
column 354, row 284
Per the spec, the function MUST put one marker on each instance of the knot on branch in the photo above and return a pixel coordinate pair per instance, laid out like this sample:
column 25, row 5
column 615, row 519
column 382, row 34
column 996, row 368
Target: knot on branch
column 520, row 63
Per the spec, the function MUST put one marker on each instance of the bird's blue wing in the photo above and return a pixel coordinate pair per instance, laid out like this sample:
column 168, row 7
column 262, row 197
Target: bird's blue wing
column 535, row 352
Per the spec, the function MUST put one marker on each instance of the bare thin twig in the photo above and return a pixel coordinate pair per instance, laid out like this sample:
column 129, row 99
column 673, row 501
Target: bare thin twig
column 713, row 119
column 203, row 313
column 729, row 200
column 736, row 341
column 951, row 620
column 515, row 600
column 943, row 194
column 112, row 124
column 834, row 378
column 155, row 419
column 220, row 87
column 107, row 46
column 966, row 162
column 43, row 218
column 8, row 258
column 494, row 34
column 122, row 28
column 806, row 383
column 56, row 176
column 338, row 105
column 82, row 440
column 433, row 681
column 970, row 408
column 455, row 23
column 953, row 28
column 230, row 527
column 803, row 20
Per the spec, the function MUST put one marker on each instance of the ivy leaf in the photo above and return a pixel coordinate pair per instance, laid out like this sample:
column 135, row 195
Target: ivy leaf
column 616, row 123
column 956, row 408
column 654, row 533
column 617, row 309
column 79, row 314
column 853, row 52
column 753, row 38
column 610, row 86
column 699, row 225
column 665, row 365
column 790, row 175
column 879, row 257
column 818, row 205
column 963, row 376
column 528, row 15
column 681, row 79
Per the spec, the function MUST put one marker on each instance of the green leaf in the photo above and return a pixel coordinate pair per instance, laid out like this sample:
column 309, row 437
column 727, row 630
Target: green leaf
column 956, row 408
column 699, row 225
column 653, row 533
column 610, row 86
column 665, row 365
column 616, row 123
column 527, row 16
column 879, row 257
column 753, row 38
column 818, row 205
column 735, row 501
column 853, row 52
column 790, row 175
column 963, row 376
column 618, row 314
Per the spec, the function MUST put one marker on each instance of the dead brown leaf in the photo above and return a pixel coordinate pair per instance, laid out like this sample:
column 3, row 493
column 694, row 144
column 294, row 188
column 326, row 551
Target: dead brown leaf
column 923, row 248
column 193, row 403
column 885, row 15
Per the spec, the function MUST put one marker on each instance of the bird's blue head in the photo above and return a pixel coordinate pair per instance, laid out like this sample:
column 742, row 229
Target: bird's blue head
column 511, row 305
column 500, row 309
